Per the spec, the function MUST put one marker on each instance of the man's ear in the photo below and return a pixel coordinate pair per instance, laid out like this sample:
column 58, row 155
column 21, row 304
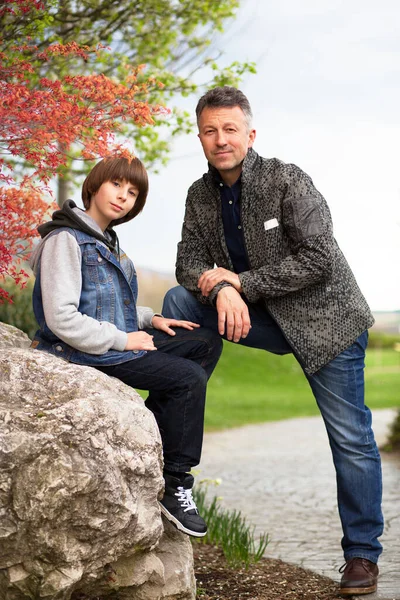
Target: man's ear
column 252, row 137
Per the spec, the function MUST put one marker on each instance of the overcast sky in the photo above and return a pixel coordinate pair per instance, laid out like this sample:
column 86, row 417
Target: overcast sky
column 327, row 98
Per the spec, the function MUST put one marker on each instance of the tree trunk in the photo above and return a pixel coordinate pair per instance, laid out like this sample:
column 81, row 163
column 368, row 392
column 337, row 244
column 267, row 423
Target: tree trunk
column 63, row 190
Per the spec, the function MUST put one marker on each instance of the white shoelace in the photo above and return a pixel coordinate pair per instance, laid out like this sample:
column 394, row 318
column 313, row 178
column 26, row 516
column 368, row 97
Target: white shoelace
column 186, row 499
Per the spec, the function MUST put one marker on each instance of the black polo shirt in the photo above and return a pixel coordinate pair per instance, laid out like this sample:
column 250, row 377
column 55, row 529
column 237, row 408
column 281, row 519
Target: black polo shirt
column 231, row 218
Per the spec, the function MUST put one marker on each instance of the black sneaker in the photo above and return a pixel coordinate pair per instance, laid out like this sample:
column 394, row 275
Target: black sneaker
column 178, row 505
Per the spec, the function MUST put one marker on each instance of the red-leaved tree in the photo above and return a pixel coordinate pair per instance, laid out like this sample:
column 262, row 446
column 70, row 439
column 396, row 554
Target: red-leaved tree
column 41, row 119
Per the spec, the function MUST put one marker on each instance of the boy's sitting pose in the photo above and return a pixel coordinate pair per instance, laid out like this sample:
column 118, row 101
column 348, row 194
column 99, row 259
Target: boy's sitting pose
column 84, row 300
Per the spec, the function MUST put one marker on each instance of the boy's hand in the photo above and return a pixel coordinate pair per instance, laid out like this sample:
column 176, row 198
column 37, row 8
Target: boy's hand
column 140, row 340
column 164, row 324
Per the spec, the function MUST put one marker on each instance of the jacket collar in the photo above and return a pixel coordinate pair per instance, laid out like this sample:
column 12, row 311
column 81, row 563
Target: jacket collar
column 72, row 216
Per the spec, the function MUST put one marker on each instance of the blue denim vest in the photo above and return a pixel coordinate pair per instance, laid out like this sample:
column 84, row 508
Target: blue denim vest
column 109, row 293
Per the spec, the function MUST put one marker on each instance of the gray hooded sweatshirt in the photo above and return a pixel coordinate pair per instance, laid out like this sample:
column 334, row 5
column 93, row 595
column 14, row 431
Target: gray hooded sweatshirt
column 60, row 259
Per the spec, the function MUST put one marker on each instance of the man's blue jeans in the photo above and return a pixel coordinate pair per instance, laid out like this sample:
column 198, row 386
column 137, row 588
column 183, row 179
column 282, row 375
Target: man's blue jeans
column 338, row 389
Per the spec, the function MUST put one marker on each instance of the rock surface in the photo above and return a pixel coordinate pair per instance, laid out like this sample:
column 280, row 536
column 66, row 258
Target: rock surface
column 80, row 473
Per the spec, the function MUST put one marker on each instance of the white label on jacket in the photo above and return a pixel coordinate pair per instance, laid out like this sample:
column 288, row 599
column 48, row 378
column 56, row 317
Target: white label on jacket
column 271, row 224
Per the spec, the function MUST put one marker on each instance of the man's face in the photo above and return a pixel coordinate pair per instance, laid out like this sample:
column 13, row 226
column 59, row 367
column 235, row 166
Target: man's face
column 225, row 139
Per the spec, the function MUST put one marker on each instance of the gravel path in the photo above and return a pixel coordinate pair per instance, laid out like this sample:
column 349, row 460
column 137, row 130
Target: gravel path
column 280, row 476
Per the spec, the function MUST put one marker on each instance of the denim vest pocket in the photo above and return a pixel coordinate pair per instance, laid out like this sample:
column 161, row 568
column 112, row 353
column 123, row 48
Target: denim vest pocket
column 97, row 268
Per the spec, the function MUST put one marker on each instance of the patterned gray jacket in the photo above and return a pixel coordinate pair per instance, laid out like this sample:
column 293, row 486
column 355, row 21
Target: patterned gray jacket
column 296, row 265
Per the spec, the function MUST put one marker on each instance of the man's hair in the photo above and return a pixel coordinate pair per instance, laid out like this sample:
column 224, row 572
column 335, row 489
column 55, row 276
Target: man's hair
column 117, row 169
column 225, row 96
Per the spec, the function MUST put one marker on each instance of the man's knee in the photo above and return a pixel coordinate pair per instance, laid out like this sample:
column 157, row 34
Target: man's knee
column 176, row 294
column 176, row 303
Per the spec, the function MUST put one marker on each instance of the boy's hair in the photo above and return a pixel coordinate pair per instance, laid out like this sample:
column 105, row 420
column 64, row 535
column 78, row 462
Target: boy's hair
column 225, row 96
column 117, row 169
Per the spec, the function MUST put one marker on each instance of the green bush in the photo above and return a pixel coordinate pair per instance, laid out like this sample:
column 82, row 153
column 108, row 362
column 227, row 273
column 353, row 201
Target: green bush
column 20, row 312
column 393, row 443
column 229, row 531
column 377, row 339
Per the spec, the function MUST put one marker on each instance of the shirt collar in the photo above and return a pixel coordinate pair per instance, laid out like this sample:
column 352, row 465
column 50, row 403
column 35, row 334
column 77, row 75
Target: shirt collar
column 218, row 179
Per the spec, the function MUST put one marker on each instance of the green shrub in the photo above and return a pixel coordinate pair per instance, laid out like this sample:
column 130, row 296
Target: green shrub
column 20, row 312
column 229, row 531
column 377, row 339
column 393, row 443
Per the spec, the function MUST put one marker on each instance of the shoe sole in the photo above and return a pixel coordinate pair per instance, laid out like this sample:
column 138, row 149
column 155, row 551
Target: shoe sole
column 178, row 524
column 358, row 591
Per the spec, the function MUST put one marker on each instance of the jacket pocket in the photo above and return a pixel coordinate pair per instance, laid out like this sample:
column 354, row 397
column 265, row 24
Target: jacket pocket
column 97, row 267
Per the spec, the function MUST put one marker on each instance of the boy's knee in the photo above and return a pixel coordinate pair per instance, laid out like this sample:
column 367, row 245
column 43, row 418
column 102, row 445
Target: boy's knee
column 212, row 338
column 202, row 378
column 197, row 375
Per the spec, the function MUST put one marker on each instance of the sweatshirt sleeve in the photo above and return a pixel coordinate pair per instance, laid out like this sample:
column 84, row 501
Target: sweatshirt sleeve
column 61, row 285
column 145, row 316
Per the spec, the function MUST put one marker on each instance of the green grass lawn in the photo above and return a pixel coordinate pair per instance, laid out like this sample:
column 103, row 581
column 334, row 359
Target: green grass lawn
column 252, row 386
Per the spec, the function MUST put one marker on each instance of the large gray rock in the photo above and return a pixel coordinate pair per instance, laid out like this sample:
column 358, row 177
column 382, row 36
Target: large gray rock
column 80, row 474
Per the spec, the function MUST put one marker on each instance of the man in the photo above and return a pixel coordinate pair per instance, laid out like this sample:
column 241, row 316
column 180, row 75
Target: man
column 282, row 284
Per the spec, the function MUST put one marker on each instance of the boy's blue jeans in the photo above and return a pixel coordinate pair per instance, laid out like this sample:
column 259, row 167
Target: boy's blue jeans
column 339, row 391
column 176, row 377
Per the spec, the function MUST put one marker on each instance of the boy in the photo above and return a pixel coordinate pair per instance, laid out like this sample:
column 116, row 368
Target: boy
column 84, row 300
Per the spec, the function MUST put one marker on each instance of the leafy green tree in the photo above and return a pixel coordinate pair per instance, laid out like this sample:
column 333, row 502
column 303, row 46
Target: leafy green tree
column 43, row 117
column 175, row 39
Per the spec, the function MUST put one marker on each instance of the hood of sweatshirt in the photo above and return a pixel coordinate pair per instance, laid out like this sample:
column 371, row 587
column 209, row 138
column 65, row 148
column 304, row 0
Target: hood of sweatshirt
column 76, row 218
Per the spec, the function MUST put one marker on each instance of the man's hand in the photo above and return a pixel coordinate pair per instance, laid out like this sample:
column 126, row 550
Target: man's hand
column 140, row 340
column 233, row 314
column 209, row 279
column 164, row 324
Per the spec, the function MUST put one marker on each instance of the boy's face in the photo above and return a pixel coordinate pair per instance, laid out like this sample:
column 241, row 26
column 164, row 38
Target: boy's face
column 113, row 200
